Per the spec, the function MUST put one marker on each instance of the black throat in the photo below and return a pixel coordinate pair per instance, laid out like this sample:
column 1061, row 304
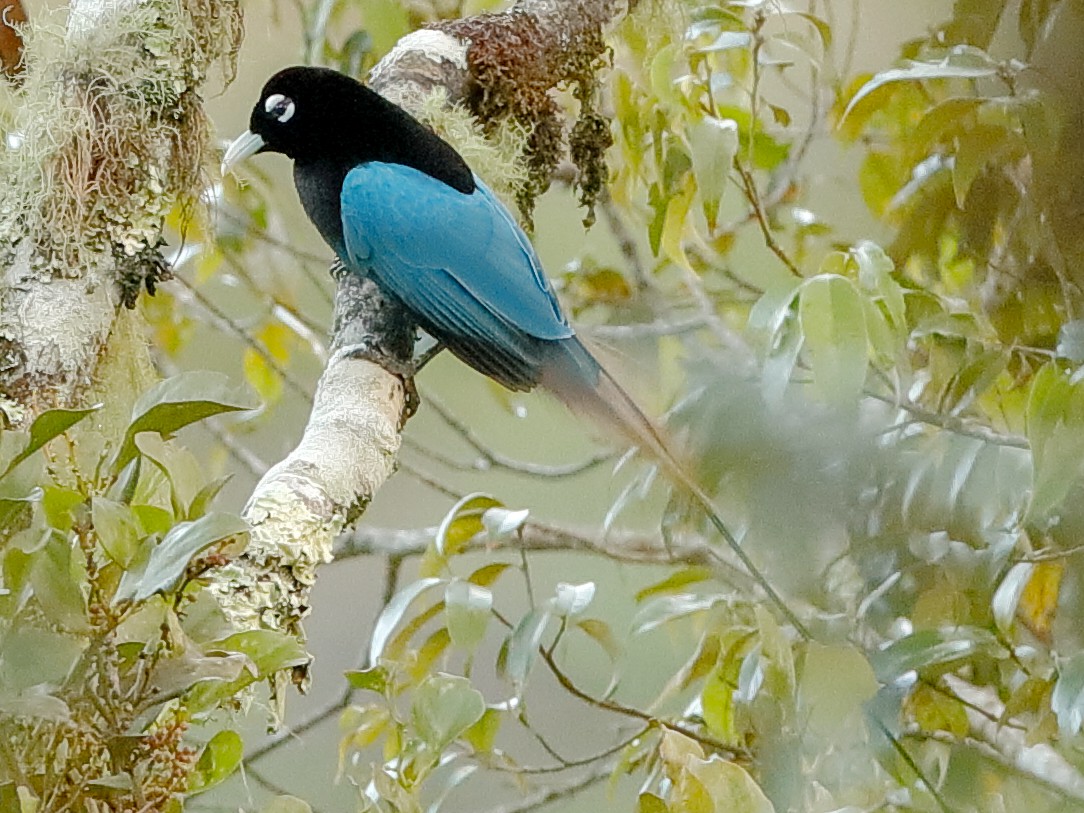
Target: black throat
column 369, row 128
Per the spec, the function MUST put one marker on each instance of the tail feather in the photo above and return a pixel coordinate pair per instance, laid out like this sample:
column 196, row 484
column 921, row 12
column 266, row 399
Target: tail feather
column 577, row 379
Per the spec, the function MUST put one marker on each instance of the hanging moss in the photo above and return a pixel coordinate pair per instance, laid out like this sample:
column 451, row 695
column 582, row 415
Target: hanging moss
column 516, row 60
column 111, row 133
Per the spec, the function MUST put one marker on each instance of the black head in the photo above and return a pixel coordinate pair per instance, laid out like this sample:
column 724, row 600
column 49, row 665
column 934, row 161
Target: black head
column 317, row 115
column 305, row 111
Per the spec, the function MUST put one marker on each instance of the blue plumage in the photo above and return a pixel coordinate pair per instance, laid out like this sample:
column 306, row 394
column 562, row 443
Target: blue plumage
column 458, row 261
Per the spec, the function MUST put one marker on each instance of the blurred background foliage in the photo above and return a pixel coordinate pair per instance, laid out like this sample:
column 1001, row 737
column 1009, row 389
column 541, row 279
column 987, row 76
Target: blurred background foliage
column 838, row 250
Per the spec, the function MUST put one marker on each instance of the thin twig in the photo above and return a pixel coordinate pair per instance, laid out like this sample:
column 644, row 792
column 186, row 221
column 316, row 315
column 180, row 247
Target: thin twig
column 491, row 458
column 749, row 188
column 629, row 711
column 628, row 547
column 541, row 799
column 427, row 479
column 228, row 325
column 957, row 426
column 569, row 764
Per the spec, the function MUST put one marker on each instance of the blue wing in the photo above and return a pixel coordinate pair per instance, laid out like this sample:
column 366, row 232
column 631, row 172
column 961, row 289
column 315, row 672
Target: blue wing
column 458, row 262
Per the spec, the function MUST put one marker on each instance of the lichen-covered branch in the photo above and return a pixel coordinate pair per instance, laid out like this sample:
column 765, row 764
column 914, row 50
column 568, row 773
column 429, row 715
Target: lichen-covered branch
column 108, row 136
column 348, row 448
column 504, row 67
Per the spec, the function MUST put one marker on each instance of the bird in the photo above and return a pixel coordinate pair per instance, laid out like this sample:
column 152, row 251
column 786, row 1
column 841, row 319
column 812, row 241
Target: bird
column 398, row 204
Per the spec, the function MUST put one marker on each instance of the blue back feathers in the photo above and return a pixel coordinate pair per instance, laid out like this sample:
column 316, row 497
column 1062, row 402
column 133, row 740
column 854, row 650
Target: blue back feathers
column 459, row 263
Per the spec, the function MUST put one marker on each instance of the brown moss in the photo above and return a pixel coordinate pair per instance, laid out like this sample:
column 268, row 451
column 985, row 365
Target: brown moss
column 516, row 60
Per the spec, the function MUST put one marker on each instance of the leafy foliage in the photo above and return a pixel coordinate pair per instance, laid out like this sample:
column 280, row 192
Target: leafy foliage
column 110, row 645
column 890, row 415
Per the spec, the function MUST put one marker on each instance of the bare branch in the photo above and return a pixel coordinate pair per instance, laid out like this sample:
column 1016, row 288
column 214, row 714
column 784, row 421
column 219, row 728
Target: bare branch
column 630, row 546
column 540, row 799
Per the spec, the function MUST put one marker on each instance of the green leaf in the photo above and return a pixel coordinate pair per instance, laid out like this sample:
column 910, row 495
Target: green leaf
column 523, row 645
column 779, row 363
column 175, row 403
column 444, row 707
column 928, row 648
column 727, row 41
column 48, row 425
column 962, row 63
column 602, row 634
column 206, row 495
column 483, row 734
column 973, row 22
column 824, row 30
column 664, row 609
column 59, row 503
column 269, row 650
column 35, row 703
column 875, row 269
column 572, row 599
column 676, row 750
column 729, row 786
column 170, row 558
column 936, row 711
column 116, row 528
column 59, row 581
column 976, row 148
column 392, row 614
column 468, row 608
column 218, row 760
column 265, row 653
column 713, row 143
column 1067, row 700
column 698, row 665
column 676, row 581
column 1071, row 341
column 152, row 520
column 1007, row 596
column 1055, row 432
column 672, row 238
column 717, row 696
column 173, row 676
column 373, row 679
column 488, row 574
column 116, row 782
column 939, row 123
column 833, row 323
column 31, row 657
column 500, row 523
column 837, row 682
column 463, row 523
column 650, row 803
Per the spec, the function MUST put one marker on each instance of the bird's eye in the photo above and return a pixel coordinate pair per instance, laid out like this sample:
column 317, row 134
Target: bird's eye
column 279, row 107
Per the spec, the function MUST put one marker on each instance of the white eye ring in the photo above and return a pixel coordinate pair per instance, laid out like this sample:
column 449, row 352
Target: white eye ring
column 280, row 107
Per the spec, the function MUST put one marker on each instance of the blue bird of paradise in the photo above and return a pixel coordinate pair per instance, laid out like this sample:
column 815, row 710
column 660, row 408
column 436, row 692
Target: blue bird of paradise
column 398, row 204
